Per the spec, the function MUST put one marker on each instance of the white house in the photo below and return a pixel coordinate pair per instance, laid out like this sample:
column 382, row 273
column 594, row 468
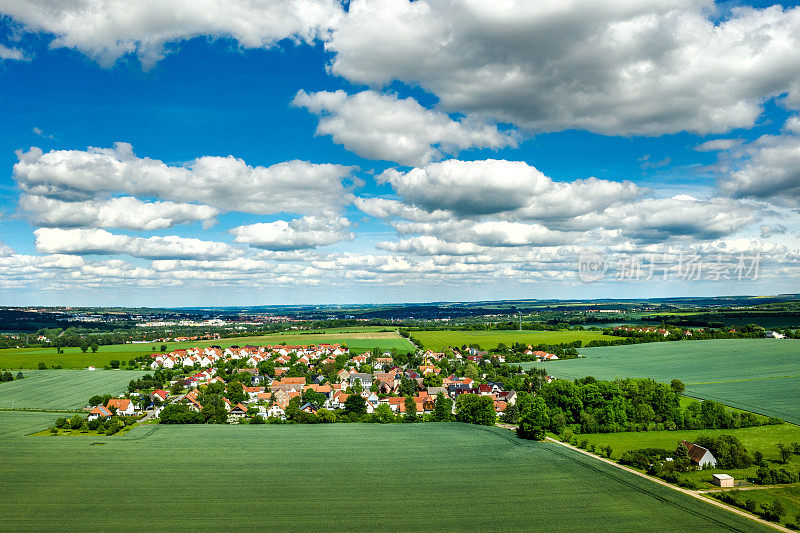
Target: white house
column 699, row 455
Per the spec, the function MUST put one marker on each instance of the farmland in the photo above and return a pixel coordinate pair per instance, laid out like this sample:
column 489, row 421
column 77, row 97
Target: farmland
column 357, row 339
column 439, row 340
column 62, row 389
column 759, row 375
column 376, row 477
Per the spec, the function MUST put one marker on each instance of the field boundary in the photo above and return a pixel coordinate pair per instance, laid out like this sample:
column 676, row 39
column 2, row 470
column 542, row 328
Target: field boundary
column 694, row 494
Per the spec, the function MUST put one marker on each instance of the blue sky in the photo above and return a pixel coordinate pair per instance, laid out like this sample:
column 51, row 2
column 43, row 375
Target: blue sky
column 394, row 151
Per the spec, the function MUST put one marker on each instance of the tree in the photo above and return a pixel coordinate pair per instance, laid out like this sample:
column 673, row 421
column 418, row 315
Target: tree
column 785, row 452
column 443, row 412
column 42, row 366
column 474, row 409
column 681, row 457
column 76, row 422
column 432, row 380
column 235, row 392
column 510, row 415
column 114, row 363
column 94, row 347
column 95, row 400
column 326, row 416
column 408, row 387
column 534, row 420
column 163, row 347
column 411, row 410
column 677, row 386
column 471, row 371
column 383, row 414
column 355, row 405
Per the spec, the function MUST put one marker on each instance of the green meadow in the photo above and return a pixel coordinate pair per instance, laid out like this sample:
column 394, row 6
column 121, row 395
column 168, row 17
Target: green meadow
column 62, row 389
column 439, row 340
column 758, row 375
column 400, row 477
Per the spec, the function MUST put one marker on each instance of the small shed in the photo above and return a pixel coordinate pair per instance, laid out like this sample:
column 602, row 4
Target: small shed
column 722, row 480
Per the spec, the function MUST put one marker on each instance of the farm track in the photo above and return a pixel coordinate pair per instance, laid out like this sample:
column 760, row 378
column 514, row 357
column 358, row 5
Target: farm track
column 693, row 493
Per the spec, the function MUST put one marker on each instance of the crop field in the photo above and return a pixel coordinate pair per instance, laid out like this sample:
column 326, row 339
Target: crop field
column 20, row 423
column 325, row 477
column 357, row 339
column 62, row 389
column 759, row 375
column 439, row 340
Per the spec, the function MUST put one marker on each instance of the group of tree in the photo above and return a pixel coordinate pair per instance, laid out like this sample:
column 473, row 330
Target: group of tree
column 8, row 376
column 109, row 426
column 634, row 405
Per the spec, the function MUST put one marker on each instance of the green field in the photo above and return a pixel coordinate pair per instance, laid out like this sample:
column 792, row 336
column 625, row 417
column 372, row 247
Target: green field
column 759, row 375
column 409, row 477
column 439, row 340
column 762, row 438
column 357, row 339
column 788, row 496
column 62, row 389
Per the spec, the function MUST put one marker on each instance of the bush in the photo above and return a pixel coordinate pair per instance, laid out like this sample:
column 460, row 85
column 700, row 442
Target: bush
column 644, row 457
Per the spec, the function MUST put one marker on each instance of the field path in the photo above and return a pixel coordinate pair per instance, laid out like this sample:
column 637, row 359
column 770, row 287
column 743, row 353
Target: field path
column 693, row 493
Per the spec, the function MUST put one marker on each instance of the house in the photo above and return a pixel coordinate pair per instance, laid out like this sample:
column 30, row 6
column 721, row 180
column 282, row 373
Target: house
column 309, row 407
column 699, row 455
column 288, row 384
column 160, row 394
column 123, row 406
column 722, row 480
column 365, row 380
column 276, row 411
column 774, row 335
column 99, row 412
column 238, row 411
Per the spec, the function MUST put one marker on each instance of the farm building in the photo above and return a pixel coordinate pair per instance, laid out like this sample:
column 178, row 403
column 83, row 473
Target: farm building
column 722, row 480
column 699, row 455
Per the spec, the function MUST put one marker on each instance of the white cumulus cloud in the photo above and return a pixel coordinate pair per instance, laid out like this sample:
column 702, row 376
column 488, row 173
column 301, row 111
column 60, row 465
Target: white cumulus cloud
column 608, row 66
column 382, row 126
column 98, row 241
column 226, row 183
column 297, row 234
column 106, row 30
column 125, row 212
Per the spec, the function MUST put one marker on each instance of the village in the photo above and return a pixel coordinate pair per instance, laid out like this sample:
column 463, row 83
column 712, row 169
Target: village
column 268, row 388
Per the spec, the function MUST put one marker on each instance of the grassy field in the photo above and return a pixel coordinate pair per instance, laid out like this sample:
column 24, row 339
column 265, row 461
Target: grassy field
column 439, row 340
column 62, row 389
column 762, row 438
column 759, row 375
column 788, row 496
column 325, row 477
column 357, row 339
